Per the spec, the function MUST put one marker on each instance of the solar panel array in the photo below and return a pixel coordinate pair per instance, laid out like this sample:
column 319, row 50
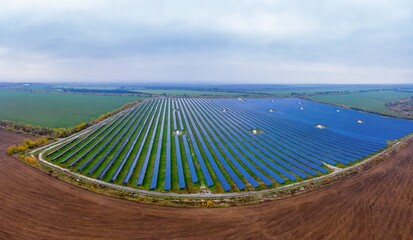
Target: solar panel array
column 185, row 144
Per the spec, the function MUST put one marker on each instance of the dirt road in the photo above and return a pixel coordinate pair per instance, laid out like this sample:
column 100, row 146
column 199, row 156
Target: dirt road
column 376, row 204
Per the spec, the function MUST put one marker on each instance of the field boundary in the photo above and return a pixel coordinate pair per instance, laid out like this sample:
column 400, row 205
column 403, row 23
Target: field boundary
column 257, row 196
column 359, row 109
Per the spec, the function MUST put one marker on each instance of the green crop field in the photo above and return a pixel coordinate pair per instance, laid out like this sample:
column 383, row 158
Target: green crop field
column 369, row 101
column 314, row 90
column 283, row 93
column 56, row 110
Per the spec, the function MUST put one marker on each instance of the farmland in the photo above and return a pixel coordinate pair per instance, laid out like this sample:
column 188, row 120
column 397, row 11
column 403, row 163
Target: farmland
column 319, row 90
column 224, row 145
column 342, row 211
column 56, row 110
column 368, row 101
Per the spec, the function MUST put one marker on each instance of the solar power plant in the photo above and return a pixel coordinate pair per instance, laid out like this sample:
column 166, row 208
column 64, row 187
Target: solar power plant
column 225, row 145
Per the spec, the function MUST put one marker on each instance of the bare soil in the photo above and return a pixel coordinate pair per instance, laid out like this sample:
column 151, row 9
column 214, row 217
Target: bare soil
column 375, row 204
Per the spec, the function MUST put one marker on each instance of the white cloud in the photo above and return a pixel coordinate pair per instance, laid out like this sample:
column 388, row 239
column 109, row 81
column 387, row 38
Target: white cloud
column 193, row 69
column 234, row 40
column 47, row 5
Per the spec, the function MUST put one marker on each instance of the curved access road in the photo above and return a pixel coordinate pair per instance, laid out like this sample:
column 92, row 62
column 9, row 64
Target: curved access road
column 375, row 204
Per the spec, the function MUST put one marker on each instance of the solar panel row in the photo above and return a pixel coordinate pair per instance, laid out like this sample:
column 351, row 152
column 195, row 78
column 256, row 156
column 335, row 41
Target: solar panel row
column 184, row 143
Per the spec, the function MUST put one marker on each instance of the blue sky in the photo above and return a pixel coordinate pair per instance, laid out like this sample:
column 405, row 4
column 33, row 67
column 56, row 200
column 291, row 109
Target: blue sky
column 225, row 41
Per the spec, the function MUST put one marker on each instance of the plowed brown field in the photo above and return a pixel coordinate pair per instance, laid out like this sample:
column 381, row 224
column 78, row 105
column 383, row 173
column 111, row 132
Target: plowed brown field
column 375, row 204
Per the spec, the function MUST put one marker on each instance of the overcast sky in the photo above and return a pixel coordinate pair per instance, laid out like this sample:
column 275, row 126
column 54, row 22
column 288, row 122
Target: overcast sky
column 217, row 41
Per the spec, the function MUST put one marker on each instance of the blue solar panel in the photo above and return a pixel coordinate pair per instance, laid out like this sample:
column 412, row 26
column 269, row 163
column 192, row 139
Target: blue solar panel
column 144, row 168
column 118, row 140
column 181, row 177
column 224, row 183
column 198, row 154
column 135, row 160
column 125, row 158
column 234, row 144
column 192, row 170
column 167, row 184
column 154, row 181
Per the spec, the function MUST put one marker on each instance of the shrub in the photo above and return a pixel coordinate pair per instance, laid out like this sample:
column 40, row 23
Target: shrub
column 28, row 145
column 41, row 141
column 29, row 160
column 12, row 149
column 80, row 127
column 22, row 148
